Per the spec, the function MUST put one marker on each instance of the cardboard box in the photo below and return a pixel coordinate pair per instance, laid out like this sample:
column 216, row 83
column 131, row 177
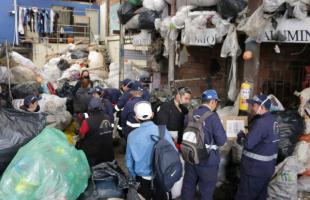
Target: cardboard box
column 234, row 124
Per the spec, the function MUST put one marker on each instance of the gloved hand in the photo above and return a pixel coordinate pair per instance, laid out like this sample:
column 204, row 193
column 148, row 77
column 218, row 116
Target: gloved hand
column 241, row 138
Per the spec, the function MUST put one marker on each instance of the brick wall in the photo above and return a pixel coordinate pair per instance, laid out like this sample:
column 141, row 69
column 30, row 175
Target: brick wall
column 283, row 73
column 198, row 66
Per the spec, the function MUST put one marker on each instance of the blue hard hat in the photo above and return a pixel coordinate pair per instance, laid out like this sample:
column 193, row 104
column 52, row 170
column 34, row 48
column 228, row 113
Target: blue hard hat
column 260, row 100
column 127, row 82
column 210, row 95
column 30, row 99
column 136, row 86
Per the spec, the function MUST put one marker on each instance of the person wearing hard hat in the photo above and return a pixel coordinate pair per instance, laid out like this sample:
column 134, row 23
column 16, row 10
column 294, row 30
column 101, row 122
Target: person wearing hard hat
column 31, row 104
column 260, row 152
column 139, row 152
column 96, row 134
column 205, row 173
column 107, row 105
column 128, row 120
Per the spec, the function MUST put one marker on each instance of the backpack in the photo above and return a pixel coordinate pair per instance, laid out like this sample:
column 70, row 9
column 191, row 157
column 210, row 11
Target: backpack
column 167, row 166
column 193, row 148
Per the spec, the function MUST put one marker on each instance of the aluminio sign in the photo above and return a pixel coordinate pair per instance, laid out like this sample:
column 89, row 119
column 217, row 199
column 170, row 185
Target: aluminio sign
column 200, row 37
column 294, row 30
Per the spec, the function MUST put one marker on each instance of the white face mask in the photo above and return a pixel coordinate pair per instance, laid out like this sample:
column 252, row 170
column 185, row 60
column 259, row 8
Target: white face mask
column 259, row 111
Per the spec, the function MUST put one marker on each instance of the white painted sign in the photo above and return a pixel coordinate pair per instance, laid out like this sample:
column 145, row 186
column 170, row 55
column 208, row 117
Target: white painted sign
column 293, row 30
column 199, row 37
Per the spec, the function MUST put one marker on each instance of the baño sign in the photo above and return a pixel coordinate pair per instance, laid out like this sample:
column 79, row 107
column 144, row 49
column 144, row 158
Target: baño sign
column 288, row 31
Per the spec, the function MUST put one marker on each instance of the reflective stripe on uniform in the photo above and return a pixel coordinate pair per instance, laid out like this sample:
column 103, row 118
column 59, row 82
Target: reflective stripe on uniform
column 259, row 157
column 213, row 147
column 117, row 109
column 86, row 116
column 133, row 125
column 119, row 127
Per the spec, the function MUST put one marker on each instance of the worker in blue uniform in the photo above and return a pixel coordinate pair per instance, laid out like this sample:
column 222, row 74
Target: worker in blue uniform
column 128, row 119
column 112, row 94
column 260, row 152
column 126, row 88
column 205, row 173
column 107, row 105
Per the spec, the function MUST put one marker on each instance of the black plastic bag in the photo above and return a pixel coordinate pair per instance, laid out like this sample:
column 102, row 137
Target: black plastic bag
column 17, row 128
column 67, row 92
column 63, row 64
column 291, row 126
column 230, row 8
column 79, row 53
column 125, row 12
column 108, row 181
column 132, row 193
column 22, row 90
column 147, row 19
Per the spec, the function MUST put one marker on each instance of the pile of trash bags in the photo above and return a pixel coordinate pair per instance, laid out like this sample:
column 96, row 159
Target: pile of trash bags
column 17, row 128
column 289, row 177
column 48, row 167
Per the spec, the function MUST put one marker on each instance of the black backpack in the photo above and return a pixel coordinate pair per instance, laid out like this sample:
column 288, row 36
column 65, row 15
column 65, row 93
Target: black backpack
column 193, row 147
column 167, row 166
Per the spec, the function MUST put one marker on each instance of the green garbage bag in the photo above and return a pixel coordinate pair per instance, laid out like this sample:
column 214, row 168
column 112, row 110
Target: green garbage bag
column 135, row 2
column 47, row 168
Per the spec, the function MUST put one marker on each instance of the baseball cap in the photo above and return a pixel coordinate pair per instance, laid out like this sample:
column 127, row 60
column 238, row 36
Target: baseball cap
column 210, row 95
column 143, row 110
column 260, row 100
column 127, row 82
column 136, row 86
column 30, row 99
column 95, row 104
column 96, row 89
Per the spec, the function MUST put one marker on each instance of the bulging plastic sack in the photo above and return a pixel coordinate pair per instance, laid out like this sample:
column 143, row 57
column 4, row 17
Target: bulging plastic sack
column 21, row 74
column 272, row 5
column 229, row 9
column 255, row 25
column 125, row 12
column 304, row 97
column 301, row 9
column 50, row 72
column 284, row 182
column 17, row 128
column 46, row 168
column 79, row 53
column 147, row 19
column 290, row 126
column 23, row 90
column 95, row 59
column 63, row 64
column 133, row 23
column 302, row 152
column 107, row 181
column 304, row 184
column 156, row 5
column 21, row 60
column 276, row 105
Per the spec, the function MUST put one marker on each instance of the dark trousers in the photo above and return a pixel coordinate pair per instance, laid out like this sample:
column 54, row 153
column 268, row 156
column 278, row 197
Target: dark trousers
column 205, row 176
column 252, row 188
column 145, row 189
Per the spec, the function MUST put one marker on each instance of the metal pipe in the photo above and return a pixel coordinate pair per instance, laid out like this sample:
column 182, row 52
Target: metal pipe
column 16, row 23
column 171, row 50
column 121, row 51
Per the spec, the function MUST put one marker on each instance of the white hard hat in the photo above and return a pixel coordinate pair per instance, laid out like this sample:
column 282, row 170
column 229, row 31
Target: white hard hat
column 143, row 110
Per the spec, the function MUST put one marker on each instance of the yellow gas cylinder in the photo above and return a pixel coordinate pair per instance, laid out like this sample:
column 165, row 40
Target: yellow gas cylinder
column 245, row 93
